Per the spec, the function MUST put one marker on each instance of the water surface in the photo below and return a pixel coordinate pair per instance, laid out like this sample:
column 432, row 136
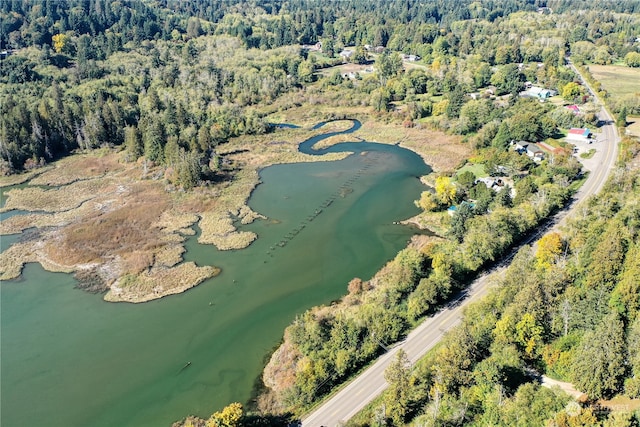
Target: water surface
column 70, row 359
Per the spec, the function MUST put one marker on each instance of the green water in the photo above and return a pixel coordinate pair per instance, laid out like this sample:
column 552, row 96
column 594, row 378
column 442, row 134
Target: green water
column 70, row 359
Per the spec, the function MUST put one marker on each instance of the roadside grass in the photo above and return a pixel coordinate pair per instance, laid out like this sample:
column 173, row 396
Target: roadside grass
column 618, row 80
column 589, row 154
column 576, row 184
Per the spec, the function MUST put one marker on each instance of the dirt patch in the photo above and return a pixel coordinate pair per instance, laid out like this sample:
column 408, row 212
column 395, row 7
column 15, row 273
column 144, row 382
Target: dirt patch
column 564, row 386
column 620, row 404
column 633, row 125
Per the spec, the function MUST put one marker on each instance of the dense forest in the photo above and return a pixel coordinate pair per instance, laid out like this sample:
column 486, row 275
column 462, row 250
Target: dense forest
column 169, row 82
column 164, row 81
column 567, row 308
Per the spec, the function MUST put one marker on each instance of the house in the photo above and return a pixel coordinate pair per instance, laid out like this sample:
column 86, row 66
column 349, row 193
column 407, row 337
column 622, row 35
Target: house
column 574, row 108
column 539, row 93
column 378, row 49
column 494, row 184
column 4, row 54
column 579, row 135
column 520, row 146
column 411, row 58
column 346, row 54
column 535, row 152
column 491, row 90
column 474, row 95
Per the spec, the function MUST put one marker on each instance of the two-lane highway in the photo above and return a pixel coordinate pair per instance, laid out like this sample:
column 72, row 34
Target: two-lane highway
column 370, row 383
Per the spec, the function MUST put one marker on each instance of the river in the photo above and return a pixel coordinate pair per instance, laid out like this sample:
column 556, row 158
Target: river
column 70, row 359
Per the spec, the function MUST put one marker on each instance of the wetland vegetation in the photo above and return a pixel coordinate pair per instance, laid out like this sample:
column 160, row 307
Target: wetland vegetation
column 140, row 148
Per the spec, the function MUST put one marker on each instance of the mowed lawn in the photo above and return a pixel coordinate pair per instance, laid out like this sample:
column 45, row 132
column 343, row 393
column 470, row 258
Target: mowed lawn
column 618, row 80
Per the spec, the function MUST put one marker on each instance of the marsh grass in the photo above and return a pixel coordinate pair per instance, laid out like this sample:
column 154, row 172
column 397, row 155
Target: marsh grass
column 13, row 259
column 39, row 199
column 21, row 178
column 158, row 282
column 121, row 227
column 80, row 167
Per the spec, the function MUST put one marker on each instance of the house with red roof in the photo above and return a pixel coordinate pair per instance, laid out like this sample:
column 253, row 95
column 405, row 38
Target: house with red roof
column 579, row 135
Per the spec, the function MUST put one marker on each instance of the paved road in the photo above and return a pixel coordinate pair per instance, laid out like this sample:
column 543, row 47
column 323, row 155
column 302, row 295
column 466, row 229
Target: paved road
column 364, row 388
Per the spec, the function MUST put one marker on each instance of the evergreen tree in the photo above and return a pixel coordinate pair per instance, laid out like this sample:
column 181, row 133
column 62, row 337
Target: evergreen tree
column 599, row 363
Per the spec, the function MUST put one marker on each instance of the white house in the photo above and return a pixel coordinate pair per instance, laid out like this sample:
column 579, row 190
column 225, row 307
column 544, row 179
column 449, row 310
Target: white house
column 411, row 58
column 346, row 54
column 540, row 93
column 579, row 135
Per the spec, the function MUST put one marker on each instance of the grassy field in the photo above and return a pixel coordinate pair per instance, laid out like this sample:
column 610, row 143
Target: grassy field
column 616, row 79
column 477, row 169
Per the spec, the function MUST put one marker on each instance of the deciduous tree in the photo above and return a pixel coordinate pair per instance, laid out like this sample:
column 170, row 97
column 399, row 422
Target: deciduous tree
column 549, row 248
column 398, row 376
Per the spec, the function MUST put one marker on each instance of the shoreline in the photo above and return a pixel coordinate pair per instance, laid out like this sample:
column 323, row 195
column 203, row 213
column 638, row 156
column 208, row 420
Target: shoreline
column 105, row 196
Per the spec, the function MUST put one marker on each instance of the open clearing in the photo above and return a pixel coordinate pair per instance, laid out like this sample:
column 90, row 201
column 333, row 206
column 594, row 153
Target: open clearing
column 618, row 80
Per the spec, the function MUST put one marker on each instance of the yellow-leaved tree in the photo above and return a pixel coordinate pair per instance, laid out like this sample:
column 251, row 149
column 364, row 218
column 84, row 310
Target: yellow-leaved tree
column 549, row 248
column 60, row 42
column 229, row 416
column 445, row 190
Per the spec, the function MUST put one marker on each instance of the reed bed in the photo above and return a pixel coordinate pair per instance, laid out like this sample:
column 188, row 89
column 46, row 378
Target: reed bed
column 170, row 255
column 59, row 199
column 13, row 259
column 21, row 178
column 440, row 151
column 158, row 282
column 79, row 168
column 218, row 230
column 174, row 221
column 105, row 220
